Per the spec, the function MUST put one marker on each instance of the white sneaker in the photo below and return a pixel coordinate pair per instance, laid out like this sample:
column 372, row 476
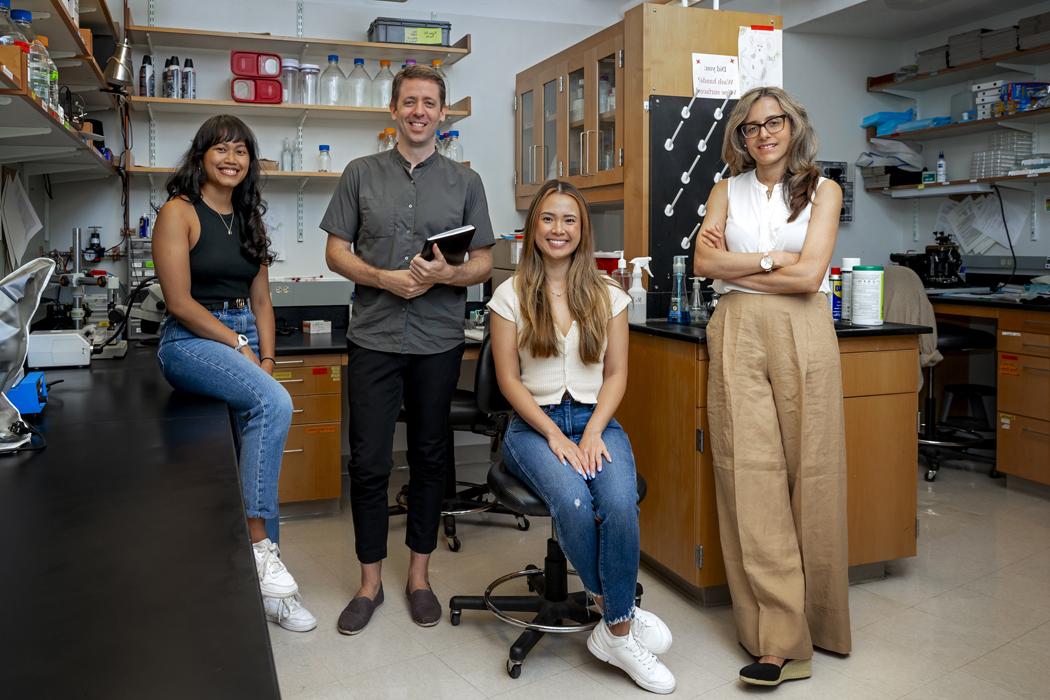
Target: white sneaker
column 650, row 631
column 274, row 579
column 289, row 613
column 627, row 654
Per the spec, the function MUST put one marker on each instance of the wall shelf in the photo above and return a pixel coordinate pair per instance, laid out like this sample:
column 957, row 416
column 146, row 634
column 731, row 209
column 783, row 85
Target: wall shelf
column 957, row 187
column 140, row 35
column 1035, row 116
column 958, row 74
column 457, row 111
column 30, row 135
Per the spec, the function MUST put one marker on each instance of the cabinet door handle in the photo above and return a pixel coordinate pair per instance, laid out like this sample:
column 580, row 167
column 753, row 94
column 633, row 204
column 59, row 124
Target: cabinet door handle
column 1036, row 322
column 298, row 410
column 535, row 180
column 1036, row 345
column 295, row 451
column 290, row 381
column 282, row 363
column 1033, row 368
column 583, row 163
column 1035, row 432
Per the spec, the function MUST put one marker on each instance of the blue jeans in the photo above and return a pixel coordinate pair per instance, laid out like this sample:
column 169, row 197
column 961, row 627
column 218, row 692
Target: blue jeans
column 596, row 520
column 261, row 407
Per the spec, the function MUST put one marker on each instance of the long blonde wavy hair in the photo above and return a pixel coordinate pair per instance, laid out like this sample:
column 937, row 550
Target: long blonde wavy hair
column 586, row 289
column 802, row 175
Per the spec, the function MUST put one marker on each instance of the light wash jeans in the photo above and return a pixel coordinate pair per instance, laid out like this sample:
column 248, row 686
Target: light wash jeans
column 597, row 519
column 261, row 407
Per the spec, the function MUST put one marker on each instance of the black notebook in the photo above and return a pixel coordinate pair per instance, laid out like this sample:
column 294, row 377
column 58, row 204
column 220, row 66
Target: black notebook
column 453, row 243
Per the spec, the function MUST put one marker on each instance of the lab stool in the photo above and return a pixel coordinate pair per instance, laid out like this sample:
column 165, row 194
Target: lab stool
column 937, row 434
column 977, row 396
column 557, row 611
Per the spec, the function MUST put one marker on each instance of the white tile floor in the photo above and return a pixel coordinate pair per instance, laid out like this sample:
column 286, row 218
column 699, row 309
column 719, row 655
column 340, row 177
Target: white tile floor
column 969, row 617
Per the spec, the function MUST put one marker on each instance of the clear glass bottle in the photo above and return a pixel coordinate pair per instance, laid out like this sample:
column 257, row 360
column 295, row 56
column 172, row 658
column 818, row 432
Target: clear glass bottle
column 382, row 85
column 454, row 149
column 286, row 156
column 290, row 93
column 324, row 159
column 436, row 65
column 390, row 141
column 359, row 86
column 23, row 21
column 40, row 71
column 9, row 33
column 52, row 76
column 332, row 82
column 309, row 75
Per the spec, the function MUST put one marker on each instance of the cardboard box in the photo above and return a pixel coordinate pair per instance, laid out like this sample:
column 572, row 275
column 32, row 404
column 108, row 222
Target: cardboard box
column 89, row 41
column 14, row 68
column 317, row 327
column 506, row 253
column 499, row 276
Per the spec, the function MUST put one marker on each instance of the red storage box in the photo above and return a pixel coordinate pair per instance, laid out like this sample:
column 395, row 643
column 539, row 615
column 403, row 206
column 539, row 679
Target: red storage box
column 253, row 64
column 258, row 90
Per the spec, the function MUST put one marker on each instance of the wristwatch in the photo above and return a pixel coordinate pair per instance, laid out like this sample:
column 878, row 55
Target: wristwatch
column 242, row 341
column 766, row 262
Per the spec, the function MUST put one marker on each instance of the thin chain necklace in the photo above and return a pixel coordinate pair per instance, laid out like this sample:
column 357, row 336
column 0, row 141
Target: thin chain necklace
column 227, row 226
column 557, row 294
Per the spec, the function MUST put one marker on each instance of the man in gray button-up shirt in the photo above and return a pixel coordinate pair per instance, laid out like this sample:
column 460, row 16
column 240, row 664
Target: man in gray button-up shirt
column 406, row 332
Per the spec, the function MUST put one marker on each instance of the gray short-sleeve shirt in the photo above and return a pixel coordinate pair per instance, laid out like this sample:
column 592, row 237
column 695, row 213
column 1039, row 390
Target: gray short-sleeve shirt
column 387, row 210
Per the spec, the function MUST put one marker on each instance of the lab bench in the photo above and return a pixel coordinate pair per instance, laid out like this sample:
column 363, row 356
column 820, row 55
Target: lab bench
column 664, row 411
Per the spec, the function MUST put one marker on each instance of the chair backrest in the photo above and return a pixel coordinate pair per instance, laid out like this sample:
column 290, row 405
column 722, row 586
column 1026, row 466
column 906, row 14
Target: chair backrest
column 486, row 389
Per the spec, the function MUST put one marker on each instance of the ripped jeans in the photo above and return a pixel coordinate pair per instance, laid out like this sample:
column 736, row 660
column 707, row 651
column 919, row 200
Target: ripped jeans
column 596, row 520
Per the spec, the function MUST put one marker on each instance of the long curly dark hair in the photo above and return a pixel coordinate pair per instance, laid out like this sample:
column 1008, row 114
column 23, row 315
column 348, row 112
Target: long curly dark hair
column 248, row 203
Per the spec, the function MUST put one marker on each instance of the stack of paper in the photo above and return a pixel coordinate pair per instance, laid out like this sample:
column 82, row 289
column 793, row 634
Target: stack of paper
column 965, row 48
column 998, row 42
column 1034, row 31
column 932, row 60
column 977, row 222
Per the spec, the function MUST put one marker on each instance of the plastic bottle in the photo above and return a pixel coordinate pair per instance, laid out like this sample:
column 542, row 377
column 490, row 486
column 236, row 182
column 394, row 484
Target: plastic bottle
column 620, row 275
column 454, row 149
column 324, row 159
column 636, row 311
column 359, row 85
column 147, row 78
column 52, row 76
column 942, row 168
column 697, row 309
column 332, row 81
column 436, row 65
column 835, row 280
column 441, row 142
column 679, row 310
column 189, row 81
column 847, row 287
column 40, row 71
column 390, row 140
column 308, row 79
column 9, row 33
column 383, row 86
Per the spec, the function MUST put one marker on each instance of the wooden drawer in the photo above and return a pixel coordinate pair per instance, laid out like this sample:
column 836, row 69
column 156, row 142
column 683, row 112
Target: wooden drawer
column 1023, row 447
column 882, row 372
column 1022, row 342
column 1024, row 385
column 316, row 408
column 1031, row 321
column 311, row 463
column 326, row 379
column 701, row 383
column 293, row 361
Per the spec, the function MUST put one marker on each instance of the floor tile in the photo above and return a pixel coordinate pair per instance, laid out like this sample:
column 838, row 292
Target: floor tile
column 1018, row 669
column 421, row 677
column 959, row 685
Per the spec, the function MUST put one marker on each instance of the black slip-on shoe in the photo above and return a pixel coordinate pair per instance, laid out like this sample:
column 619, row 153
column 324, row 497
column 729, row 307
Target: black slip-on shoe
column 424, row 606
column 356, row 615
column 771, row 674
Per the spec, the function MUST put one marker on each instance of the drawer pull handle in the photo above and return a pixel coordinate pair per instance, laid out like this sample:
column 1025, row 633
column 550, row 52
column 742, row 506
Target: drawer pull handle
column 1035, row 432
column 1034, row 322
column 295, row 451
column 1035, row 369
column 290, row 381
column 1044, row 346
column 298, row 410
column 289, row 362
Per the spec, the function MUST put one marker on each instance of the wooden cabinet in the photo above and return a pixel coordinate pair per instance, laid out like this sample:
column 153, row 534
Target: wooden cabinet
column 569, row 120
column 1023, row 395
column 310, row 469
column 665, row 415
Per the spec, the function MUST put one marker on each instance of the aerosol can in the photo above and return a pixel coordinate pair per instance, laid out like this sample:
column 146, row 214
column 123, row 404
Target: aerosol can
column 636, row 311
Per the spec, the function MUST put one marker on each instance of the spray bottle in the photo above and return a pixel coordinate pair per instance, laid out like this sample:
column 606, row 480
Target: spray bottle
column 619, row 275
column 636, row 311
column 679, row 311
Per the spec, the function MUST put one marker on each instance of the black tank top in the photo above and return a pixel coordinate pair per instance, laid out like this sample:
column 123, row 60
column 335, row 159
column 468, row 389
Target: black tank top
column 219, row 271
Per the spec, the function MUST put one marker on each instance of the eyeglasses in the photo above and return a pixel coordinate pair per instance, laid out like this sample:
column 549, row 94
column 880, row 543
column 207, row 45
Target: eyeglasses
column 773, row 125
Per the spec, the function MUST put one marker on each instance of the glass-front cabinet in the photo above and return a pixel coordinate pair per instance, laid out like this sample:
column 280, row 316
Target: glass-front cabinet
column 539, row 111
column 599, row 135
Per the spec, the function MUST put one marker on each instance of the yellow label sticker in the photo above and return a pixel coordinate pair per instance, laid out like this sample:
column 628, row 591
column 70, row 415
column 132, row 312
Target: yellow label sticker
column 282, row 375
column 336, row 371
column 1011, row 369
column 1005, row 419
column 423, row 35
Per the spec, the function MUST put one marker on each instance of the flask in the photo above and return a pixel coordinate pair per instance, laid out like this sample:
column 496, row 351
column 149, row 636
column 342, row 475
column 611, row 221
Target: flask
column 383, row 86
column 436, row 65
column 636, row 311
column 679, row 310
column 332, row 82
column 324, row 159
column 147, row 79
column 359, row 86
column 454, row 150
column 189, row 81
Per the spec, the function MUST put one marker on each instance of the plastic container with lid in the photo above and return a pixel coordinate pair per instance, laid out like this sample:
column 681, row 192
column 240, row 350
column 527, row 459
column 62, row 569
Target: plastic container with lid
column 383, row 86
column 256, row 90
column 254, row 64
column 309, row 83
column 290, row 92
column 359, row 86
column 867, row 295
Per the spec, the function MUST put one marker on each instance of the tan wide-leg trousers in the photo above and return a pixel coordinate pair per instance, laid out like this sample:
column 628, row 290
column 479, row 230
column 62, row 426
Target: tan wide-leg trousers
column 778, row 440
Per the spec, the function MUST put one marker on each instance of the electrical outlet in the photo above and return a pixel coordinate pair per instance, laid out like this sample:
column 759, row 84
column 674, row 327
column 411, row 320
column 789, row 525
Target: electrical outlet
column 1005, row 262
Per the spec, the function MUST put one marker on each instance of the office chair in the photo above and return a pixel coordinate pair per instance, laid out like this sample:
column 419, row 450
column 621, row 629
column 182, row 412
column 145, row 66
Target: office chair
column 557, row 611
column 465, row 415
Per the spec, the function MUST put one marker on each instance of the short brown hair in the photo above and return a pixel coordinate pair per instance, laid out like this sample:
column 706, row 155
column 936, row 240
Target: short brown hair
column 416, row 72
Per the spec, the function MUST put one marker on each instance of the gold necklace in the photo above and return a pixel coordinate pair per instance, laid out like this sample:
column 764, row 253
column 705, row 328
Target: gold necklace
column 233, row 217
column 557, row 294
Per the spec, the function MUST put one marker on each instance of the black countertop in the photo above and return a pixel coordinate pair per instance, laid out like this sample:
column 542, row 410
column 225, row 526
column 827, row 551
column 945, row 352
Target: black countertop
column 987, row 302
column 698, row 334
column 299, row 343
column 127, row 566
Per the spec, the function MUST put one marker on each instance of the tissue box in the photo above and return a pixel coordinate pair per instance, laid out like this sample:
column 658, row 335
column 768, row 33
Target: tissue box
column 317, row 326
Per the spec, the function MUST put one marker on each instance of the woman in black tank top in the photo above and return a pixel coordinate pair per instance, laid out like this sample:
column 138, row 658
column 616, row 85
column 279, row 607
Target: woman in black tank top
column 212, row 258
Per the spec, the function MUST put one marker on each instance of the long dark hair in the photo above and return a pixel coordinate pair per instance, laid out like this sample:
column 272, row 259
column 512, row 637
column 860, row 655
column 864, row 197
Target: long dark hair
column 248, row 204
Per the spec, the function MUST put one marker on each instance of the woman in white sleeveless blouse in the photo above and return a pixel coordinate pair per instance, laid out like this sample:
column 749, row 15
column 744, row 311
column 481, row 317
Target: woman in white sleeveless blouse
column 775, row 390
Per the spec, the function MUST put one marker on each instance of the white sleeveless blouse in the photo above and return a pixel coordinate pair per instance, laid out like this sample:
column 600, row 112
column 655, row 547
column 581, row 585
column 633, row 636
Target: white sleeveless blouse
column 758, row 223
